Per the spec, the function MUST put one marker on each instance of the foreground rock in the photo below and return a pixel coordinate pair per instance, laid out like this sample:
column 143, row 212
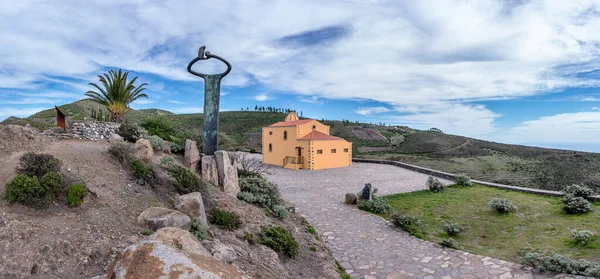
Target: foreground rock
column 155, row 218
column 180, row 239
column 143, row 150
column 191, row 155
column 351, row 198
column 209, row 169
column 227, row 171
column 192, row 205
column 114, row 138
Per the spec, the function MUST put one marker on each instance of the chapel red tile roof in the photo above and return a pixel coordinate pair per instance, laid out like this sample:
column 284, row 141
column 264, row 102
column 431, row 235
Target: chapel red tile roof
column 291, row 123
column 316, row 135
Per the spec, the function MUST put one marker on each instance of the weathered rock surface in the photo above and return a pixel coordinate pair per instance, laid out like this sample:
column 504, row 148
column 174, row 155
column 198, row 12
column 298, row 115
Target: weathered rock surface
column 155, row 218
column 227, row 171
column 114, row 138
column 192, row 205
column 209, row 169
column 143, row 150
column 167, row 146
column 191, row 155
column 92, row 130
column 351, row 198
column 178, row 238
column 152, row 259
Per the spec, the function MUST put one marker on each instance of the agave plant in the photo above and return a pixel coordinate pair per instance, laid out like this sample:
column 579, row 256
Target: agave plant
column 117, row 93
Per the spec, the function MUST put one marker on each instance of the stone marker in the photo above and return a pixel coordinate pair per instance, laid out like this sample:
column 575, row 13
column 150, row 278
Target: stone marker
column 191, row 155
column 192, row 205
column 209, row 169
column 351, row 198
column 367, row 192
column 227, row 171
column 143, row 150
column 155, row 218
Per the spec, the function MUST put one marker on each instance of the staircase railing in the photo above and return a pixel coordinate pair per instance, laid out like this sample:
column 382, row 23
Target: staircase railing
column 293, row 160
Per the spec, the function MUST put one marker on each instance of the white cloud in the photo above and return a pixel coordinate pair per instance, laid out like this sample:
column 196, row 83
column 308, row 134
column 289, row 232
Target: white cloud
column 143, row 102
column 595, row 108
column 590, row 99
column 371, row 110
column 311, row 100
column 175, row 102
column 184, row 110
column 262, row 97
column 18, row 112
column 579, row 127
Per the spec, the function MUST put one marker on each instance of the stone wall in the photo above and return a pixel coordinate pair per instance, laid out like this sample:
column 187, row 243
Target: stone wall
column 450, row 176
column 92, row 130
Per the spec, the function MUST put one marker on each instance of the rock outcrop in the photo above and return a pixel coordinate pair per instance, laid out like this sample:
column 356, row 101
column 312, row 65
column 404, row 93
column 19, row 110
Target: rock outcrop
column 143, row 150
column 191, row 155
column 227, row 171
column 169, row 256
column 351, row 198
column 192, row 205
column 155, row 218
column 209, row 169
column 114, row 138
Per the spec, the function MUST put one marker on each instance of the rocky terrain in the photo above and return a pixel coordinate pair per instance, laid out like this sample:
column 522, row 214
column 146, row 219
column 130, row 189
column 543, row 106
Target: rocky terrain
column 104, row 234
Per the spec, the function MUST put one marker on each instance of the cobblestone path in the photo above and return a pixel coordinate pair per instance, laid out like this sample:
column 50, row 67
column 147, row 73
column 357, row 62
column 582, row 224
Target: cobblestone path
column 369, row 247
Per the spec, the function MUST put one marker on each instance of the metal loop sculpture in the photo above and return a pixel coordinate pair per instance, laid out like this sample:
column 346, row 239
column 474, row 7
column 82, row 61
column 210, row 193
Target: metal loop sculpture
column 212, row 96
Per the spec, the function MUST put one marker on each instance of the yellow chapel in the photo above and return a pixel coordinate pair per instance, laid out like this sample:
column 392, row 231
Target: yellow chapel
column 304, row 144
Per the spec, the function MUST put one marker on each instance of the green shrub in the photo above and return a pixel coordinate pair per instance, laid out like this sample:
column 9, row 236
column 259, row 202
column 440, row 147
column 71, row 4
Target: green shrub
column 141, row 171
column 122, row 152
column 186, row 181
column 377, row 205
column 313, row 248
column 226, row 220
column 281, row 212
column 463, row 180
column 502, row 205
column 578, row 191
column 452, row 229
column 449, row 242
column 199, row 229
column 26, row 190
column 279, row 239
column 177, row 148
column 560, row 264
column 409, row 223
column 129, row 132
column 576, row 205
column 242, row 173
column 248, row 236
column 582, row 237
column 37, row 164
column 265, row 193
column 397, row 139
column 146, row 232
column 311, row 230
column 52, row 183
column 167, row 161
column 157, row 143
column 76, row 194
column 159, row 125
column 252, row 150
column 434, row 185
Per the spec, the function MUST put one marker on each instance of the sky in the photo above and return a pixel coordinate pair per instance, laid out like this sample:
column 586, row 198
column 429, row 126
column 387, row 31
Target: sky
column 522, row 72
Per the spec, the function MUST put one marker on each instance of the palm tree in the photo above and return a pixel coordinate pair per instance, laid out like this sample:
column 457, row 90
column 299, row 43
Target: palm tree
column 117, row 93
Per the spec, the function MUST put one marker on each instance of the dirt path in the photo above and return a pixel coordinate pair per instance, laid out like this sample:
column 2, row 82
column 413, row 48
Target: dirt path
column 365, row 244
column 63, row 242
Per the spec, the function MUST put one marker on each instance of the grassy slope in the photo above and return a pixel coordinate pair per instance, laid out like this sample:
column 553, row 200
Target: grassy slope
column 538, row 225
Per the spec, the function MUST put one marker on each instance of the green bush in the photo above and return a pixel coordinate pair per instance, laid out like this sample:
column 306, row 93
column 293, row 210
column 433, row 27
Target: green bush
column 141, row 171
column 186, row 181
column 129, row 132
column 226, row 220
column 146, row 232
column 157, row 143
column 560, row 264
column 167, row 161
column 264, row 193
column 409, row 223
column 397, row 139
column 122, row 152
column 377, row 205
column 449, row 242
column 578, row 191
column 242, row 173
column 281, row 212
column 199, row 229
column 37, row 164
column 502, row 205
column 252, row 150
column 159, row 125
column 76, row 194
column 279, row 239
column 26, row 190
column 582, row 237
column 435, row 185
column 452, row 229
column 311, row 230
column 576, row 205
column 463, row 180
column 177, row 148
column 52, row 182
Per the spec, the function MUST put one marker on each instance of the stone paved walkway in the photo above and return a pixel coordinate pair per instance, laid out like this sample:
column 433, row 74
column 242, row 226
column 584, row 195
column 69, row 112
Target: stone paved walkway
column 369, row 247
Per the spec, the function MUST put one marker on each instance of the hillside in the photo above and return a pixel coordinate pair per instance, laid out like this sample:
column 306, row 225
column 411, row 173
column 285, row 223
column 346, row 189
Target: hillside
column 496, row 162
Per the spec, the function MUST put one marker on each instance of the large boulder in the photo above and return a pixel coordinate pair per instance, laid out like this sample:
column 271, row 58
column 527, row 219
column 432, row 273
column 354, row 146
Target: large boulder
column 209, row 169
column 178, row 238
column 155, row 218
column 192, row 205
column 227, row 170
column 351, row 198
column 153, row 259
column 191, row 155
column 143, row 150
column 114, row 138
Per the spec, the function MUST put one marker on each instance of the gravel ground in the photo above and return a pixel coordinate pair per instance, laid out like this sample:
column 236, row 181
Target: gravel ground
column 366, row 245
